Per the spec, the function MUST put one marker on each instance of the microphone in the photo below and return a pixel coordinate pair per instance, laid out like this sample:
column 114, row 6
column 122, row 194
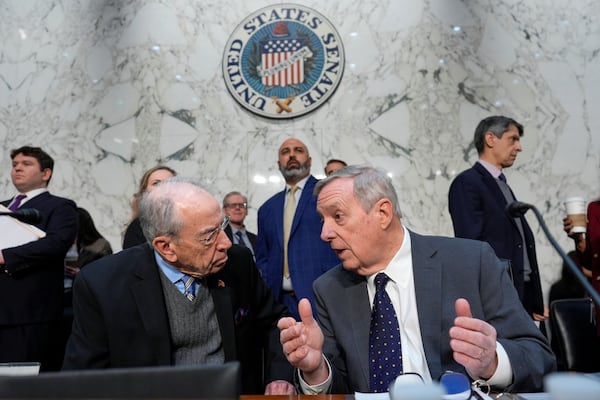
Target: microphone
column 27, row 215
column 517, row 208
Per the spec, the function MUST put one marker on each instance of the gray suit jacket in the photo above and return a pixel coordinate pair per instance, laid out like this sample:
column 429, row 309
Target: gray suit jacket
column 444, row 269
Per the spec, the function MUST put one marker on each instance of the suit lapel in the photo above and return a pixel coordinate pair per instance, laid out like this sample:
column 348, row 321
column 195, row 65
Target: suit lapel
column 307, row 193
column 222, row 299
column 496, row 193
column 359, row 313
column 428, row 291
column 147, row 294
column 278, row 215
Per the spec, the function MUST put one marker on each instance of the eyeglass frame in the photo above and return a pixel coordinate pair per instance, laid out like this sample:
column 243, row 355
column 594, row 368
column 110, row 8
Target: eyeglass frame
column 236, row 206
column 213, row 233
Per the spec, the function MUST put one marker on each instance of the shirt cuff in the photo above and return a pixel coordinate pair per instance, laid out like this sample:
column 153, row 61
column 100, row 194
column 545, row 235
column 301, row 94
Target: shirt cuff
column 503, row 376
column 318, row 388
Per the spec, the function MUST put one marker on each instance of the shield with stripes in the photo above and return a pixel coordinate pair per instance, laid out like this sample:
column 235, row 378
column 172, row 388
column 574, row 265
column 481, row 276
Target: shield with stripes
column 282, row 58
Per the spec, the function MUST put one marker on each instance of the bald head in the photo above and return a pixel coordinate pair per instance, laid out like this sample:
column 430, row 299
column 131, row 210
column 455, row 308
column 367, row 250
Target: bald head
column 294, row 160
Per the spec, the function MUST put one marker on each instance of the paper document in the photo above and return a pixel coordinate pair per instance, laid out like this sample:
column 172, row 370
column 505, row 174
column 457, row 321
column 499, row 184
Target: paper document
column 15, row 233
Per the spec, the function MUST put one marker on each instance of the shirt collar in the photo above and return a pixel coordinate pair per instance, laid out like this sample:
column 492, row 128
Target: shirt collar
column 32, row 193
column 399, row 269
column 172, row 273
column 299, row 185
column 492, row 169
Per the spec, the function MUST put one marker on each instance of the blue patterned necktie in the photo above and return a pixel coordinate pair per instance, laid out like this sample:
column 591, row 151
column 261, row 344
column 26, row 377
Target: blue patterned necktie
column 188, row 288
column 385, row 352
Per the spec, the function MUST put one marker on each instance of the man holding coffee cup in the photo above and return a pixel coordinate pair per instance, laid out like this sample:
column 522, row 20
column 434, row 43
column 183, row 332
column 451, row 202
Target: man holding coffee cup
column 477, row 199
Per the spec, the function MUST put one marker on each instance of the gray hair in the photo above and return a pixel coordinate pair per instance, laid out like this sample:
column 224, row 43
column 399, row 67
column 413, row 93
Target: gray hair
column 233, row 193
column 370, row 185
column 157, row 214
column 496, row 124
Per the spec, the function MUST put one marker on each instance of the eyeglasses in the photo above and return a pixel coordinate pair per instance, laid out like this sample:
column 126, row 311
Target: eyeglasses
column 212, row 235
column 236, row 205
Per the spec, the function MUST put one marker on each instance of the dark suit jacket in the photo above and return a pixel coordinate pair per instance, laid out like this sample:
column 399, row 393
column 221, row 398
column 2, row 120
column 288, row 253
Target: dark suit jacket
column 121, row 318
column 445, row 269
column 476, row 206
column 33, row 291
column 308, row 255
column 251, row 236
column 133, row 234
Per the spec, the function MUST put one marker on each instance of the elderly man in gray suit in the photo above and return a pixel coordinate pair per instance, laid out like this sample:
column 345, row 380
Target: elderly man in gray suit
column 454, row 307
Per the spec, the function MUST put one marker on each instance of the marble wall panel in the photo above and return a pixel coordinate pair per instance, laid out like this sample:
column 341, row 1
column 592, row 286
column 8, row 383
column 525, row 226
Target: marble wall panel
column 111, row 88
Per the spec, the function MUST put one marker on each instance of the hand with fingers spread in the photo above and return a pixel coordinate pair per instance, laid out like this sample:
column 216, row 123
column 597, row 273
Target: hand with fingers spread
column 473, row 342
column 302, row 344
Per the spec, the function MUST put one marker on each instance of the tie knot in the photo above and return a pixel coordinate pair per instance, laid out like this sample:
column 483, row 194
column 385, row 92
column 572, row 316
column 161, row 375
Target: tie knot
column 502, row 177
column 240, row 238
column 381, row 280
column 188, row 282
column 292, row 190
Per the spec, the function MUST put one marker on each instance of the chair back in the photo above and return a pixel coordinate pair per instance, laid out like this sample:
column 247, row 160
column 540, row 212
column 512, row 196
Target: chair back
column 574, row 337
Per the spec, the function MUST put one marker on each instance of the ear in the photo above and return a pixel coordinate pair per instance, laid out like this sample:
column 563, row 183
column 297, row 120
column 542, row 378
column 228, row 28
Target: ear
column 385, row 212
column 489, row 139
column 46, row 174
column 165, row 247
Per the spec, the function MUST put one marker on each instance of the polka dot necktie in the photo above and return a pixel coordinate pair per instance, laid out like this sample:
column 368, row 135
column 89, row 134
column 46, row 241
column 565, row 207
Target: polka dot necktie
column 385, row 352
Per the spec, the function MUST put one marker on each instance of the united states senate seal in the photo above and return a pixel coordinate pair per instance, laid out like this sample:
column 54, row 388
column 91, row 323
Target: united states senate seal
column 283, row 61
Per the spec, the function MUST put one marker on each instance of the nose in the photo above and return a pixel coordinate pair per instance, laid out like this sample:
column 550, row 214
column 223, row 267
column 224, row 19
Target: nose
column 326, row 233
column 223, row 241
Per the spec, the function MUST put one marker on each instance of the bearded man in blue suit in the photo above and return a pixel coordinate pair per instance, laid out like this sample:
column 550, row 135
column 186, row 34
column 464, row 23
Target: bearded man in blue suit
column 306, row 254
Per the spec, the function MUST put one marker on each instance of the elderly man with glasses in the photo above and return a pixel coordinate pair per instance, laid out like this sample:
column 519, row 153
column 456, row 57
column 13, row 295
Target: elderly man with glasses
column 186, row 297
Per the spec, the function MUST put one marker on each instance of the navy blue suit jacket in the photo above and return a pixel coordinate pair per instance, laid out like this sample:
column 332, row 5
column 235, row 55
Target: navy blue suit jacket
column 477, row 206
column 33, row 292
column 308, row 255
column 444, row 270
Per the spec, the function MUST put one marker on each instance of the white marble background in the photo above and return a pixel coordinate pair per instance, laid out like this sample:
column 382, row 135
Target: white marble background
column 111, row 88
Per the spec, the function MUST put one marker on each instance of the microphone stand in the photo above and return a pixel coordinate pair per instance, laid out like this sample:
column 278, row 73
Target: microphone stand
column 570, row 263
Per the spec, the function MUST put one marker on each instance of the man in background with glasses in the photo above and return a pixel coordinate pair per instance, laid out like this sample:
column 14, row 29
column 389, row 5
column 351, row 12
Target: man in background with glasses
column 445, row 304
column 235, row 205
column 186, row 298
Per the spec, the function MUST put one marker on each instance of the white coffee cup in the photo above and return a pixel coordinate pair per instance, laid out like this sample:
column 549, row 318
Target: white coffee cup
column 576, row 210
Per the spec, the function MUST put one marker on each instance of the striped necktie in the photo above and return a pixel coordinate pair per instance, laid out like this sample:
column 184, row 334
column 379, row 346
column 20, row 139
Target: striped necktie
column 188, row 288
